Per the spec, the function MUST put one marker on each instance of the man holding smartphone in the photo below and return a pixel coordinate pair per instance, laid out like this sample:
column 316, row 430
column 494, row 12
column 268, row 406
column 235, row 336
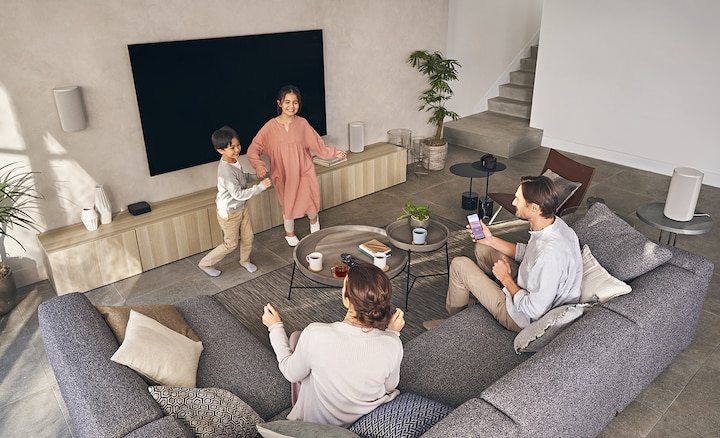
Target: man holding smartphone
column 518, row 283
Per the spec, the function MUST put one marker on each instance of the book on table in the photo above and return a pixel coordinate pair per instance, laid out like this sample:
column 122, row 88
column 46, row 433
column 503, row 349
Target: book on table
column 371, row 247
column 330, row 162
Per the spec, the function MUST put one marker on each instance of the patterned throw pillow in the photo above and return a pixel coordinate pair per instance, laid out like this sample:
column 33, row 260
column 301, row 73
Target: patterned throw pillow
column 407, row 416
column 208, row 411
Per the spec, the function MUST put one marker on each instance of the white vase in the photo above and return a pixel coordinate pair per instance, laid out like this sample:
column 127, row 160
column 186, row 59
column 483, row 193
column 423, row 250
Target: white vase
column 102, row 204
column 89, row 218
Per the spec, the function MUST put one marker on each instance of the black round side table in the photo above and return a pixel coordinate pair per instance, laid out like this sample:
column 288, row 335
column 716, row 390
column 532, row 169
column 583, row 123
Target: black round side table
column 486, row 205
column 468, row 170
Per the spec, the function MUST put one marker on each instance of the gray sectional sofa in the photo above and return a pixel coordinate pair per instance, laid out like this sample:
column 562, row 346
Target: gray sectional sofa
column 572, row 387
column 106, row 399
column 576, row 384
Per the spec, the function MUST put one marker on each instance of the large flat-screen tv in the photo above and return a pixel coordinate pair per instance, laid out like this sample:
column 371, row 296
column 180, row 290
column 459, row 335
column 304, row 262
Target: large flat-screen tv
column 188, row 89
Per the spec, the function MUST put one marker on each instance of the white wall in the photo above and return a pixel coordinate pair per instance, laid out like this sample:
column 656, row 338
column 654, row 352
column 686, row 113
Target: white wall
column 634, row 82
column 48, row 43
column 488, row 37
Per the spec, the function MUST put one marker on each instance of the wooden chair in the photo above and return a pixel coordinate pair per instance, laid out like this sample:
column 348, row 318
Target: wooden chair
column 563, row 166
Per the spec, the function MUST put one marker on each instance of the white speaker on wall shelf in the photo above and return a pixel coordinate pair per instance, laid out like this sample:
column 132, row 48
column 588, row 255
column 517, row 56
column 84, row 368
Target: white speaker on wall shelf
column 683, row 194
column 356, row 131
column 70, row 108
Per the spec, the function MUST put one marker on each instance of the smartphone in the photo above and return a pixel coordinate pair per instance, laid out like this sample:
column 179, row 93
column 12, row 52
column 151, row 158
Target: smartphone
column 475, row 226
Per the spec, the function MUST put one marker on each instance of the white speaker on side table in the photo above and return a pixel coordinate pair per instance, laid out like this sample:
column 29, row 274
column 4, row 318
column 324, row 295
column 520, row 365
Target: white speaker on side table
column 683, row 194
column 356, row 131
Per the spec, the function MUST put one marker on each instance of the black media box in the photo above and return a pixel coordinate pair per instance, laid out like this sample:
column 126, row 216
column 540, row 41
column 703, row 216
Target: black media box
column 139, row 208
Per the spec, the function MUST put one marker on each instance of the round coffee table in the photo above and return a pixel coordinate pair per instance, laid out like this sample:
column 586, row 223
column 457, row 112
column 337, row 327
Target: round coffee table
column 400, row 235
column 334, row 241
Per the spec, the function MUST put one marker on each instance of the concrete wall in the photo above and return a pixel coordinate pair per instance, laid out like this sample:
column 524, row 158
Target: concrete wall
column 50, row 43
column 633, row 82
column 488, row 37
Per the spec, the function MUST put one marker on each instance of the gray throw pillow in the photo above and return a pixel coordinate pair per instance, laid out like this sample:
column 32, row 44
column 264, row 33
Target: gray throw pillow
column 302, row 429
column 208, row 411
column 539, row 333
column 622, row 250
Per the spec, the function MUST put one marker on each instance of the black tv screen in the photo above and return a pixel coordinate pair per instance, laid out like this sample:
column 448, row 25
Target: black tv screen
column 188, row 89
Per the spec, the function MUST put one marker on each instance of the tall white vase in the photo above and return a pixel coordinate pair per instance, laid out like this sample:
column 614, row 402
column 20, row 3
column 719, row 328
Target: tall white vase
column 102, row 205
column 89, row 218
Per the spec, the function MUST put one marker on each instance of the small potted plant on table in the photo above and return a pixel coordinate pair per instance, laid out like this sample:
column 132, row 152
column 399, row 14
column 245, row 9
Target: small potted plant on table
column 439, row 71
column 419, row 216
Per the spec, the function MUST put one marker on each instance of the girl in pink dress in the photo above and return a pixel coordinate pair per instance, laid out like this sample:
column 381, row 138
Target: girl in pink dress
column 288, row 140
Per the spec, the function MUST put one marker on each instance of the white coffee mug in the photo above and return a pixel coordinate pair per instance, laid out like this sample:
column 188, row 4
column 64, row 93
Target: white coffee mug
column 380, row 260
column 419, row 235
column 314, row 260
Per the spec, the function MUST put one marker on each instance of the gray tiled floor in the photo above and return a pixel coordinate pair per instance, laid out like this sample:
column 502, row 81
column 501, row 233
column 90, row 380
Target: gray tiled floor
column 683, row 401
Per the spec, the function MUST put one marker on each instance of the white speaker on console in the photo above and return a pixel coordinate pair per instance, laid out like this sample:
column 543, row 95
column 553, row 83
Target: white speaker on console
column 70, row 108
column 683, row 194
column 357, row 136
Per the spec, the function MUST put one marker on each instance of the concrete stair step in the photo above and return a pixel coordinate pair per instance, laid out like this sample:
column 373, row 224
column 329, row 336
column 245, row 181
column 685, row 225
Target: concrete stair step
column 498, row 134
column 516, row 92
column 534, row 51
column 510, row 107
column 522, row 77
column 528, row 64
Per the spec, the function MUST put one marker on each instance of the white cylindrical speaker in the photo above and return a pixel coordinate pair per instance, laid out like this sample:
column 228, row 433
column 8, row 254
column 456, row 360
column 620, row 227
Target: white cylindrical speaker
column 357, row 136
column 70, row 108
column 683, row 194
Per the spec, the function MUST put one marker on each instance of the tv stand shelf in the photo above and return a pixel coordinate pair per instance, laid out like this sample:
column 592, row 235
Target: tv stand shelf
column 80, row 260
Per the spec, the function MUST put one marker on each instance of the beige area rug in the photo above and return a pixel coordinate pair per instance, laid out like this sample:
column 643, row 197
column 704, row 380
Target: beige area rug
column 426, row 301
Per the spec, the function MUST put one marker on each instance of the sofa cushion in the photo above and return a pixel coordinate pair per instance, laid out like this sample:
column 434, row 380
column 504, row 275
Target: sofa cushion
column 622, row 250
column 158, row 353
column 597, row 284
column 167, row 315
column 564, row 187
column 594, row 353
column 407, row 416
column 208, row 411
column 436, row 364
column 302, row 429
column 234, row 359
column 474, row 418
column 539, row 333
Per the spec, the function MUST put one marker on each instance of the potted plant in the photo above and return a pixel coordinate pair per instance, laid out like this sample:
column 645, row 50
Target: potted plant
column 439, row 71
column 419, row 216
column 17, row 199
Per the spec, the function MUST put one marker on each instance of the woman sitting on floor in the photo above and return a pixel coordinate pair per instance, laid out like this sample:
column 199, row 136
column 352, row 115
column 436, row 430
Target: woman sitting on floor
column 345, row 369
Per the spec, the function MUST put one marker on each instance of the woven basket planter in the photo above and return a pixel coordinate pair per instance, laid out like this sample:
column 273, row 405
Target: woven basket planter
column 435, row 156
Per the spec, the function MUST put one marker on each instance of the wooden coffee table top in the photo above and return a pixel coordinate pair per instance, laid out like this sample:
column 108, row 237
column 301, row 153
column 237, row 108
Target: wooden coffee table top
column 333, row 241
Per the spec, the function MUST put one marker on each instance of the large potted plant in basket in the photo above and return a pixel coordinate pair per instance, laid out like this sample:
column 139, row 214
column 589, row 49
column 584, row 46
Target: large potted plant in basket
column 18, row 197
column 439, row 71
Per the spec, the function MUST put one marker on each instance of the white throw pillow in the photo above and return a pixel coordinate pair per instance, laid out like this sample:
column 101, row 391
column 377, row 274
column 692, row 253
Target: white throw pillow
column 159, row 353
column 597, row 282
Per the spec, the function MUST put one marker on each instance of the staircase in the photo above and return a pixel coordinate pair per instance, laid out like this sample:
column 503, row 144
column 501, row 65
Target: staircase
column 504, row 129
